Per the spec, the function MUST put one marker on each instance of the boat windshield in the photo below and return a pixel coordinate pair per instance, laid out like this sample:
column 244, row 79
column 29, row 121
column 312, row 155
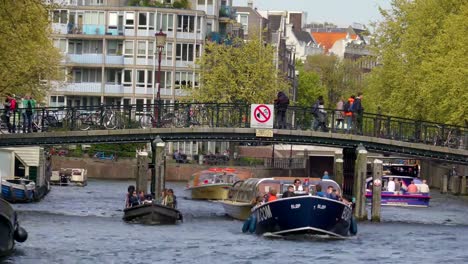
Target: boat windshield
column 213, row 177
column 401, row 170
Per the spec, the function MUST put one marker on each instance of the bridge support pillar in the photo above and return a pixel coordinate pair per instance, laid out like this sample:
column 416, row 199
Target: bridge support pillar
column 339, row 176
column 444, row 184
column 376, row 190
column 159, row 161
column 141, row 172
column 455, row 184
column 463, row 185
column 360, row 173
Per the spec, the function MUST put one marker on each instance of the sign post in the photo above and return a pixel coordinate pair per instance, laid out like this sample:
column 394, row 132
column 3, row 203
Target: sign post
column 261, row 118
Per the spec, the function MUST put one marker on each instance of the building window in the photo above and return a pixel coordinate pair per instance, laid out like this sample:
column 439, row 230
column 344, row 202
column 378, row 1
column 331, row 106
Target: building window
column 185, row 23
column 166, row 22
column 114, row 47
column 75, row 47
column 61, row 44
column 128, row 48
column 129, row 20
column 92, row 47
column 141, row 49
column 183, row 79
column 94, row 18
column 243, row 19
column 140, row 78
column 127, row 81
column 169, row 51
column 114, row 76
column 199, row 21
column 60, row 16
column 184, row 52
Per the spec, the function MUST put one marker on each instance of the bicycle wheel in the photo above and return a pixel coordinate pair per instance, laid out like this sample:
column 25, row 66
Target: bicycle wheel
column 84, row 121
column 146, row 121
column 109, row 121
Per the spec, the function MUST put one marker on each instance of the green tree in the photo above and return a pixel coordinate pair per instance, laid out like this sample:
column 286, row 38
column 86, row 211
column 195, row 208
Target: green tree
column 27, row 56
column 244, row 71
column 421, row 48
column 309, row 87
column 339, row 77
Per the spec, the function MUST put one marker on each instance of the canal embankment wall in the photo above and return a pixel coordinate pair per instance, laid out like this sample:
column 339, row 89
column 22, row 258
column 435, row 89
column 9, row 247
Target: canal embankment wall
column 125, row 169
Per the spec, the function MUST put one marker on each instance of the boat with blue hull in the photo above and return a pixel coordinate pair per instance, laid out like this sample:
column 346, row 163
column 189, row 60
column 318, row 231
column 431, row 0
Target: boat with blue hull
column 10, row 231
column 18, row 190
column 304, row 215
column 401, row 197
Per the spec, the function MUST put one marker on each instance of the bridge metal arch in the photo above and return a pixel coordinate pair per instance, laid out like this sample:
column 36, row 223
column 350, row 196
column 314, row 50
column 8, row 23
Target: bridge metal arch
column 381, row 145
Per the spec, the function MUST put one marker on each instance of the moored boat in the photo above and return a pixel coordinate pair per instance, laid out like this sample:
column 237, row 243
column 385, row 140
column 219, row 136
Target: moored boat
column 152, row 214
column 18, row 190
column 214, row 183
column 9, row 229
column 304, row 214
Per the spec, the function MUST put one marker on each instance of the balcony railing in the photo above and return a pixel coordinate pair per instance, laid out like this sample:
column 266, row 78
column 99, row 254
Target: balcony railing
column 86, row 58
column 81, row 88
column 227, row 12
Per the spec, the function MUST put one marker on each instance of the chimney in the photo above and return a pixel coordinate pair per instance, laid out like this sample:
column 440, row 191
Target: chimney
column 250, row 3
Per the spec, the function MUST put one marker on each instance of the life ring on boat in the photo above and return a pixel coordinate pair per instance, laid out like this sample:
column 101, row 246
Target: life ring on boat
column 353, row 226
column 253, row 224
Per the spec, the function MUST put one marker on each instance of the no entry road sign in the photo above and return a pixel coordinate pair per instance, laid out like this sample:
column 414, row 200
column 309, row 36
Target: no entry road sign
column 261, row 116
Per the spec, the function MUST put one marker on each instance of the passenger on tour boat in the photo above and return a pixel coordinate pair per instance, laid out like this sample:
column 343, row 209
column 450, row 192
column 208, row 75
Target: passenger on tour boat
column 129, row 194
column 412, row 188
column 424, row 188
column 319, row 192
column 404, row 188
column 272, row 195
column 397, row 185
column 342, row 199
column 330, row 193
column 289, row 192
column 169, row 199
column 391, row 185
column 298, row 186
column 133, row 200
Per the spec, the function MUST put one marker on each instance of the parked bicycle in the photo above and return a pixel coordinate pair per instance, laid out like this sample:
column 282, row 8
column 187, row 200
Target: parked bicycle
column 105, row 118
column 451, row 140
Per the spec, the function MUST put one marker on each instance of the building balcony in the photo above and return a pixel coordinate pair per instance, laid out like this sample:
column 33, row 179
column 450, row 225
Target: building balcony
column 115, row 59
column 85, row 58
column 227, row 13
column 80, row 88
column 209, row 9
column 148, row 91
column 117, row 89
column 219, row 38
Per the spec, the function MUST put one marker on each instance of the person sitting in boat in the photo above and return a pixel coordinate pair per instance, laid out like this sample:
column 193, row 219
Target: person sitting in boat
column 271, row 196
column 342, row 199
column 330, row 194
column 134, row 200
column 391, row 185
column 397, row 185
column 289, row 192
column 412, row 188
column 403, row 187
column 318, row 189
column 129, row 194
column 424, row 188
column 298, row 186
column 257, row 202
column 169, row 199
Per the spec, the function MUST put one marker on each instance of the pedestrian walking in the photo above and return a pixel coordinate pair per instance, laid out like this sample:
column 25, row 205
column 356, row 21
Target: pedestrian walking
column 347, row 108
column 358, row 112
column 281, row 106
column 339, row 114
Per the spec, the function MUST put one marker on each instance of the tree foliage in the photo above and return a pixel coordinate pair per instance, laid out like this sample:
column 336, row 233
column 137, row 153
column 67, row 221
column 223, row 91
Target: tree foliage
column 242, row 72
column 338, row 77
column 27, row 53
column 309, row 87
column 422, row 49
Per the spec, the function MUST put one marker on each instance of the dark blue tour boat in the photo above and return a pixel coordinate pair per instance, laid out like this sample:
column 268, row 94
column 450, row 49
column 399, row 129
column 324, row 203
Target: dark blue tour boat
column 303, row 213
column 9, row 229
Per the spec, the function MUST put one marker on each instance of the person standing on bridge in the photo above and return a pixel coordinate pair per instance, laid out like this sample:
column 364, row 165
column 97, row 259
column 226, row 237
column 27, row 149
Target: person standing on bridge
column 281, row 106
column 358, row 111
column 347, row 108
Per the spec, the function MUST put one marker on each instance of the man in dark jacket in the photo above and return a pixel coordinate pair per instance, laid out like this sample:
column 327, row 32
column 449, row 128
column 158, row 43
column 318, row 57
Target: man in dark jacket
column 281, row 105
column 289, row 192
column 358, row 112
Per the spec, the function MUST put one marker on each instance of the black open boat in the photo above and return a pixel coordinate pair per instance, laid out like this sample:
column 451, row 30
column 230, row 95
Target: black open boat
column 152, row 214
column 9, row 229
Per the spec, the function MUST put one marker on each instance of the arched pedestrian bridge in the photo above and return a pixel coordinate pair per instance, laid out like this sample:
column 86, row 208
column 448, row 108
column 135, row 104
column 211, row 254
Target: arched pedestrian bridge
column 230, row 122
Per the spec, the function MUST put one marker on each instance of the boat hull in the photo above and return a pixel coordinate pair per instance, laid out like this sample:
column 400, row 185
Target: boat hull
column 7, row 228
column 237, row 210
column 303, row 215
column 152, row 214
column 403, row 200
column 209, row 192
column 14, row 192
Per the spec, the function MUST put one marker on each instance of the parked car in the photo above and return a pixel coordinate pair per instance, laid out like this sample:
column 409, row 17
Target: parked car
column 101, row 155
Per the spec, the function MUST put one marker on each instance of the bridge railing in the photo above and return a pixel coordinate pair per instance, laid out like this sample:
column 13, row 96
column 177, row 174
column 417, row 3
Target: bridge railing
column 229, row 115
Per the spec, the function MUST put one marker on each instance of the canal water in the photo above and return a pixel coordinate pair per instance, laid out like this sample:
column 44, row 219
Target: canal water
column 83, row 225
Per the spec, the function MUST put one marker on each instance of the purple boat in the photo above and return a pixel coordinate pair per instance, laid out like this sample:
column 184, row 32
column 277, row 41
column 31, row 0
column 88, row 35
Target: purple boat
column 405, row 174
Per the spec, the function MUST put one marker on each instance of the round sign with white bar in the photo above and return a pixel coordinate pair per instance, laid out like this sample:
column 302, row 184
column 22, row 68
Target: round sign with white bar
column 261, row 116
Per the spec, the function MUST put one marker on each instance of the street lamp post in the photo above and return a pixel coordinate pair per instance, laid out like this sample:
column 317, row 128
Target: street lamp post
column 160, row 44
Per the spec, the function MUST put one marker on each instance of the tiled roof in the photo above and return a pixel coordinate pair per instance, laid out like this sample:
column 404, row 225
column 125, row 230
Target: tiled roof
column 303, row 36
column 327, row 39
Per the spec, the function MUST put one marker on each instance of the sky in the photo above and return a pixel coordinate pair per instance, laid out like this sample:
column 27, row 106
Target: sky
column 340, row 12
